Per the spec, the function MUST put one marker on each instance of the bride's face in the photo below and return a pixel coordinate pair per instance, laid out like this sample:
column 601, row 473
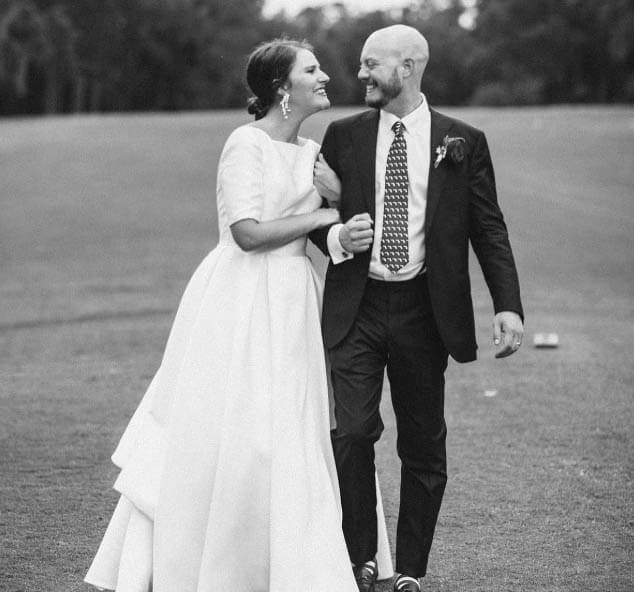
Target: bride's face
column 307, row 84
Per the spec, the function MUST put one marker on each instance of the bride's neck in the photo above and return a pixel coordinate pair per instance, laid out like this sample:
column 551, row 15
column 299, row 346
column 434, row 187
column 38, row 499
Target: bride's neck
column 280, row 129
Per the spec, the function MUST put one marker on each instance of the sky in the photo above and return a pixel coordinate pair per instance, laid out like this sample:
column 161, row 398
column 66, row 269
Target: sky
column 292, row 7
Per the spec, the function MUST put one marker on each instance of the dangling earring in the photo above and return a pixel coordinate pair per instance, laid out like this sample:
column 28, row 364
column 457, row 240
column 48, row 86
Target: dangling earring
column 284, row 105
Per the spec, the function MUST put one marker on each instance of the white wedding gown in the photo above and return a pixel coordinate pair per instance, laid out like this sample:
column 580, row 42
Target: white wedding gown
column 227, row 480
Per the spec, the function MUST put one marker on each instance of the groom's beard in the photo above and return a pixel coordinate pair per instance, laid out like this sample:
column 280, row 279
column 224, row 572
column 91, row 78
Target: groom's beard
column 389, row 90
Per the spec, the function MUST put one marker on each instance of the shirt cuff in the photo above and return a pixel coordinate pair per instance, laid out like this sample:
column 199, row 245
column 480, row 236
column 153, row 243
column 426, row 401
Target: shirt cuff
column 337, row 253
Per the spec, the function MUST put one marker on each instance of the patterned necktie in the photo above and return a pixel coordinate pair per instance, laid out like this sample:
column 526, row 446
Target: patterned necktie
column 394, row 243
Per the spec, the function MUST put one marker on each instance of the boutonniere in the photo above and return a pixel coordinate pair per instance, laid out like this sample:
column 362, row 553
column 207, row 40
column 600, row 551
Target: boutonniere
column 452, row 146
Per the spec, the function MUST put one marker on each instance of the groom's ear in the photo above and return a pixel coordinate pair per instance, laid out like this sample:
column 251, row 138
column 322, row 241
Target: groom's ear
column 408, row 67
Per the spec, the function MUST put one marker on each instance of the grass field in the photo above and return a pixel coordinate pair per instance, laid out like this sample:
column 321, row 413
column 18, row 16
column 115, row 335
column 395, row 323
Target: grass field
column 103, row 219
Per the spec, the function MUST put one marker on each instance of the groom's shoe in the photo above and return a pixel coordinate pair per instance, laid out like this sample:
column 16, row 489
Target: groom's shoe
column 366, row 575
column 406, row 584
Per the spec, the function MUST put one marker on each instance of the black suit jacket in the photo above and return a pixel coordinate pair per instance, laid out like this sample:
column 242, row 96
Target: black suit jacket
column 461, row 207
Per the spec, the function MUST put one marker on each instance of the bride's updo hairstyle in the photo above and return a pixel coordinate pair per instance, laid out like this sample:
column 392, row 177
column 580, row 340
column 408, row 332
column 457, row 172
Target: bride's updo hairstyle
column 268, row 67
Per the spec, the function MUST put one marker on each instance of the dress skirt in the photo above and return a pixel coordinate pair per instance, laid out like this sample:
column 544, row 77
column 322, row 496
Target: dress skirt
column 227, row 477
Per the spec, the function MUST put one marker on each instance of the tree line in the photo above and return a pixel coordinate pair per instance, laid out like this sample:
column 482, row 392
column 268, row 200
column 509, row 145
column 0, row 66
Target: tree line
column 62, row 56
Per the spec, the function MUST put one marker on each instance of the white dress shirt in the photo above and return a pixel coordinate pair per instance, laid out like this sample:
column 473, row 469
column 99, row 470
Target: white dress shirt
column 417, row 125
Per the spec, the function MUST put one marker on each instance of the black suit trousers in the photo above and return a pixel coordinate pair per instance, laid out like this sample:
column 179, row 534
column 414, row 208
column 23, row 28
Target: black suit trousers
column 394, row 328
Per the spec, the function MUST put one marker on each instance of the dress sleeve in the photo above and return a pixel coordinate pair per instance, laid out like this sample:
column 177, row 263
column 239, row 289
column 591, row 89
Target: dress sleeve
column 241, row 175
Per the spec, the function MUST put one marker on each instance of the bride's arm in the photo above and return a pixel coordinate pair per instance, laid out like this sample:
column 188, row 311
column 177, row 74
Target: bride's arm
column 250, row 234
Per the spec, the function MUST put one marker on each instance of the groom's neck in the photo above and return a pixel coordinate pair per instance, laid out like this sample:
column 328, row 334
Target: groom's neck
column 404, row 103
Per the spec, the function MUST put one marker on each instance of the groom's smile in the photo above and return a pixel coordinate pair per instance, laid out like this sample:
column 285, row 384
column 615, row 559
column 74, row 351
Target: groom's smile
column 379, row 72
column 379, row 93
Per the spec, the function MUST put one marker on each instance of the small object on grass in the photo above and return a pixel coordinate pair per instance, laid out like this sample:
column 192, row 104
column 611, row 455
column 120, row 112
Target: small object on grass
column 490, row 392
column 546, row 340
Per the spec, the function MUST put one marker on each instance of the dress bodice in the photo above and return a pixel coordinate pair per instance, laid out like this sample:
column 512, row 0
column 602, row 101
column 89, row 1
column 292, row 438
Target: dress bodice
column 265, row 179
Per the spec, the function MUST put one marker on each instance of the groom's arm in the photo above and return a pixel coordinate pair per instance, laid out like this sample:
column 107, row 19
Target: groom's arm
column 489, row 238
column 341, row 241
column 329, row 150
column 488, row 233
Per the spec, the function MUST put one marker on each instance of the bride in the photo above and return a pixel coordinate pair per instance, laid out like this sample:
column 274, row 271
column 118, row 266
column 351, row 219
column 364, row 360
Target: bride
column 227, row 477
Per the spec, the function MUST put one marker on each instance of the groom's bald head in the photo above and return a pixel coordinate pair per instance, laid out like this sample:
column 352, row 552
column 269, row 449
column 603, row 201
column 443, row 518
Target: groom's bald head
column 402, row 43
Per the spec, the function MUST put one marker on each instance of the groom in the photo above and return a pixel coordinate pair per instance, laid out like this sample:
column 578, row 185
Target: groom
column 417, row 188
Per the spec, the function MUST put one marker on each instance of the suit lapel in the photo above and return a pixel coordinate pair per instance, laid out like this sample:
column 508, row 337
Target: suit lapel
column 439, row 129
column 364, row 135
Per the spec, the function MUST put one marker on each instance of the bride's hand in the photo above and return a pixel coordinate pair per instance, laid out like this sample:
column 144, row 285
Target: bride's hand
column 326, row 217
column 326, row 181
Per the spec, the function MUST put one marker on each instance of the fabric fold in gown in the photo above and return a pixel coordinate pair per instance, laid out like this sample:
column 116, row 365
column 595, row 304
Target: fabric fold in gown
column 227, row 477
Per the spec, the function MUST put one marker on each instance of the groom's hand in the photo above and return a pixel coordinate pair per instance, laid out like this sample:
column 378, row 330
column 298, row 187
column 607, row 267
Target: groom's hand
column 356, row 234
column 508, row 331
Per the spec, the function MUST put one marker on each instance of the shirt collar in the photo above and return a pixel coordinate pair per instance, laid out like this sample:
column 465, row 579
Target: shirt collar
column 411, row 121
